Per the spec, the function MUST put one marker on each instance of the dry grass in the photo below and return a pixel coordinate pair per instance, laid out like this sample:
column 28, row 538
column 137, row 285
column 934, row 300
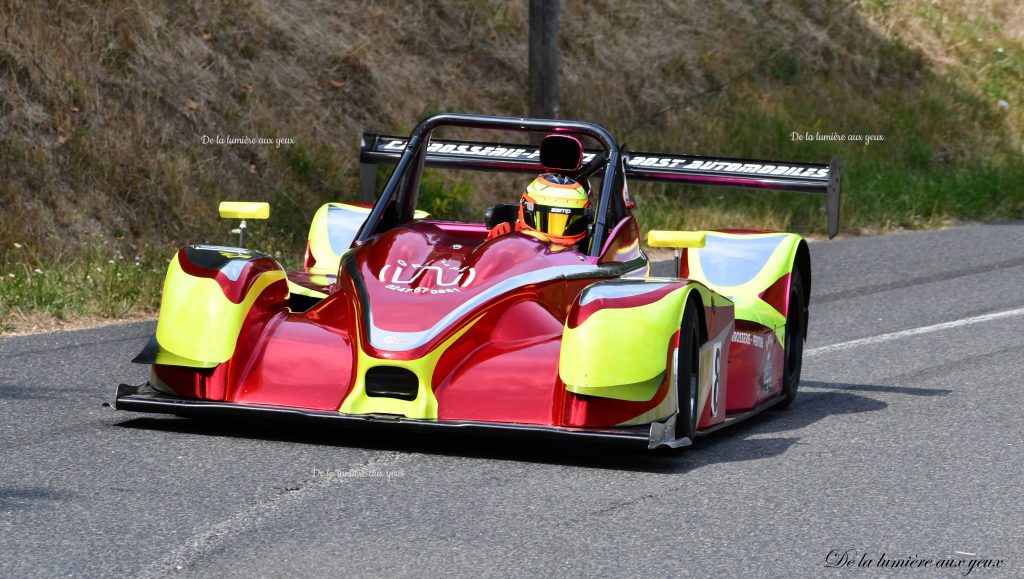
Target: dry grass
column 104, row 105
column 23, row 324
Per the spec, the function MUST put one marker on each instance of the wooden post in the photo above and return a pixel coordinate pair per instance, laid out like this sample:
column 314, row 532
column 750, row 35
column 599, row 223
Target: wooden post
column 368, row 181
column 544, row 58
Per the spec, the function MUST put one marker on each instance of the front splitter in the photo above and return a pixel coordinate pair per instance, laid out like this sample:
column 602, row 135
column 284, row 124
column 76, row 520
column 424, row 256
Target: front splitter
column 144, row 398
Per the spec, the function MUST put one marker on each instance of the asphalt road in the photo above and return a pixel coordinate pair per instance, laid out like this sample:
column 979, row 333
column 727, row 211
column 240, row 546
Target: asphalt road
column 903, row 443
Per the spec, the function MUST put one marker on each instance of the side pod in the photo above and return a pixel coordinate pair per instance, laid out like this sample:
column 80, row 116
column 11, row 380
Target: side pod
column 209, row 294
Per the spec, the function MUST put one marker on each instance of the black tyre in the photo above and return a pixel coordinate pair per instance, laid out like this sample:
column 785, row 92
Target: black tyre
column 688, row 373
column 796, row 335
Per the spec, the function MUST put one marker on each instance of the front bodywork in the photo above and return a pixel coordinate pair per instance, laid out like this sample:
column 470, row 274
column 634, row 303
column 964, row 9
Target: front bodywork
column 486, row 331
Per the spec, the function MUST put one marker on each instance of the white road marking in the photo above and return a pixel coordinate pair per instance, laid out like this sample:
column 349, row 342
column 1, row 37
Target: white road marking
column 914, row 332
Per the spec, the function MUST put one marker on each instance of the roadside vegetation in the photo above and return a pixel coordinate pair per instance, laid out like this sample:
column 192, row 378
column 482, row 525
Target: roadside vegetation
column 101, row 283
column 110, row 111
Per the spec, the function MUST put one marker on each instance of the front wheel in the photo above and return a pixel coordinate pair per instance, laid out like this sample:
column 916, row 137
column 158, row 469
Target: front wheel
column 796, row 334
column 688, row 373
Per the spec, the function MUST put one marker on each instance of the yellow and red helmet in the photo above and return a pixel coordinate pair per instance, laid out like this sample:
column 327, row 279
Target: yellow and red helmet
column 556, row 206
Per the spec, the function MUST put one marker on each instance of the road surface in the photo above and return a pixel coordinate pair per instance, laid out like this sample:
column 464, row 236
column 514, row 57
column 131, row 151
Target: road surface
column 905, row 443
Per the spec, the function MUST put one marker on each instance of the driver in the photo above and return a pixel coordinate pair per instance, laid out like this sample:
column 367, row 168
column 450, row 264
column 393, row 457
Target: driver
column 553, row 208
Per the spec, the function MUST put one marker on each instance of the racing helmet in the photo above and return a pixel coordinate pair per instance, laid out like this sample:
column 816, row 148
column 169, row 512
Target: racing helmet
column 556, row 206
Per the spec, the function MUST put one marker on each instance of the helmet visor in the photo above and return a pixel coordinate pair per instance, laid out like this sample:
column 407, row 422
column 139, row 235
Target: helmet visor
column 559, row 221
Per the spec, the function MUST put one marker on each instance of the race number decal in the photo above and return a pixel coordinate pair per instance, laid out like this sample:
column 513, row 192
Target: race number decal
column 716, row 374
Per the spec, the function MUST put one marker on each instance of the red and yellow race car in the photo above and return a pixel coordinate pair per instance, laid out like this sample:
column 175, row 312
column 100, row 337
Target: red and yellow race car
column 542, row 319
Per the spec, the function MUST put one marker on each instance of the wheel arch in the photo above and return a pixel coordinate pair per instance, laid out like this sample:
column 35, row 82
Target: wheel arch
column 802, row 265
column 702, row 320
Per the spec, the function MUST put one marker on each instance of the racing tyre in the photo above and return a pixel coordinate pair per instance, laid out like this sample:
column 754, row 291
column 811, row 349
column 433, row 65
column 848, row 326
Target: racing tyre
column 688, row 373
column 796, row 335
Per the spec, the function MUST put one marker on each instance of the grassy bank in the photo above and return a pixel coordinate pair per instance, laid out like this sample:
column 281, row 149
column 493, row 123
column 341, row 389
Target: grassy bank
column 103, row 283
column 107, row 110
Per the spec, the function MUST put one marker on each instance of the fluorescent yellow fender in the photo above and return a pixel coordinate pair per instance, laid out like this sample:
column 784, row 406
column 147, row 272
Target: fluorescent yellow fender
column 621, row 353
column 197, row 321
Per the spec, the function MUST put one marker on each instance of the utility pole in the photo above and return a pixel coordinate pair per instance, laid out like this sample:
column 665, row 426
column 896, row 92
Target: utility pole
column 544, row 58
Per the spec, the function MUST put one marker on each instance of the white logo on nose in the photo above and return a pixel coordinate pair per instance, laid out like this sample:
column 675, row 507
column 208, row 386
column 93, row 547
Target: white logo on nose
column 463, row 276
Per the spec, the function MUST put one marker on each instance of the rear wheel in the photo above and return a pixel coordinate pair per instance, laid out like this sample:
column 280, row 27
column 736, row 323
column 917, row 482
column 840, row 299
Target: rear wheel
column 688, row 373
column 796, row 334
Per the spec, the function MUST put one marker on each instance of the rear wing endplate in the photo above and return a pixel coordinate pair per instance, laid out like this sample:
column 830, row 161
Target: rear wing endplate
column 689, row 169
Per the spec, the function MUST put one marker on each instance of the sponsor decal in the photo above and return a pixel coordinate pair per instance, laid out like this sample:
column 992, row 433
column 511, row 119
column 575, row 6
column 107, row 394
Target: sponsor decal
column 446, row 279
column 532, row 154
column 712, row 166
column 754, row 340
column 760, row 343
column 470, row 151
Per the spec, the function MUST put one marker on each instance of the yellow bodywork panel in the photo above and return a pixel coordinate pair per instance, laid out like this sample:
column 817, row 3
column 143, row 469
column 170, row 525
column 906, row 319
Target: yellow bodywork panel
column 424, row 406
column 689, row 239
column 326, row 255
column 331, row 234
column 622, row 353
column 197, row 321
column 244, row 210
column 746, row 295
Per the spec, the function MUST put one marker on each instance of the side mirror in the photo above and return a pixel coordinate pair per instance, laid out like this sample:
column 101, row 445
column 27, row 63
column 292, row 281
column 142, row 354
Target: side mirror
column 243, row 210
column 561, row 152
column 678, row 240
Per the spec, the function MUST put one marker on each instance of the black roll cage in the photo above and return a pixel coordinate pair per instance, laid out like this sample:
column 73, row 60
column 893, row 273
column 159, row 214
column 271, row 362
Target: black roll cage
column 402, row 189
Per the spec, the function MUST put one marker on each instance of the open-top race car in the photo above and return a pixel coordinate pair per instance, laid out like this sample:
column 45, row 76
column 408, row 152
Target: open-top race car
column 540, row 319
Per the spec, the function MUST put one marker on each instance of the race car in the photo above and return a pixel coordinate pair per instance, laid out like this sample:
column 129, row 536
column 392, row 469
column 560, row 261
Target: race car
column 540, row 319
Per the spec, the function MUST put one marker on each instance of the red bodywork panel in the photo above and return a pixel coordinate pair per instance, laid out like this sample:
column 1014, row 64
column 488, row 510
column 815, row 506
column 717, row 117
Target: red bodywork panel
column 751, row 349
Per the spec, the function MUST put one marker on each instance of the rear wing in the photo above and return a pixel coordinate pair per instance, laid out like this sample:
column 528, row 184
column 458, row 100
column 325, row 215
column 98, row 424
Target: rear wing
column 691, row 169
